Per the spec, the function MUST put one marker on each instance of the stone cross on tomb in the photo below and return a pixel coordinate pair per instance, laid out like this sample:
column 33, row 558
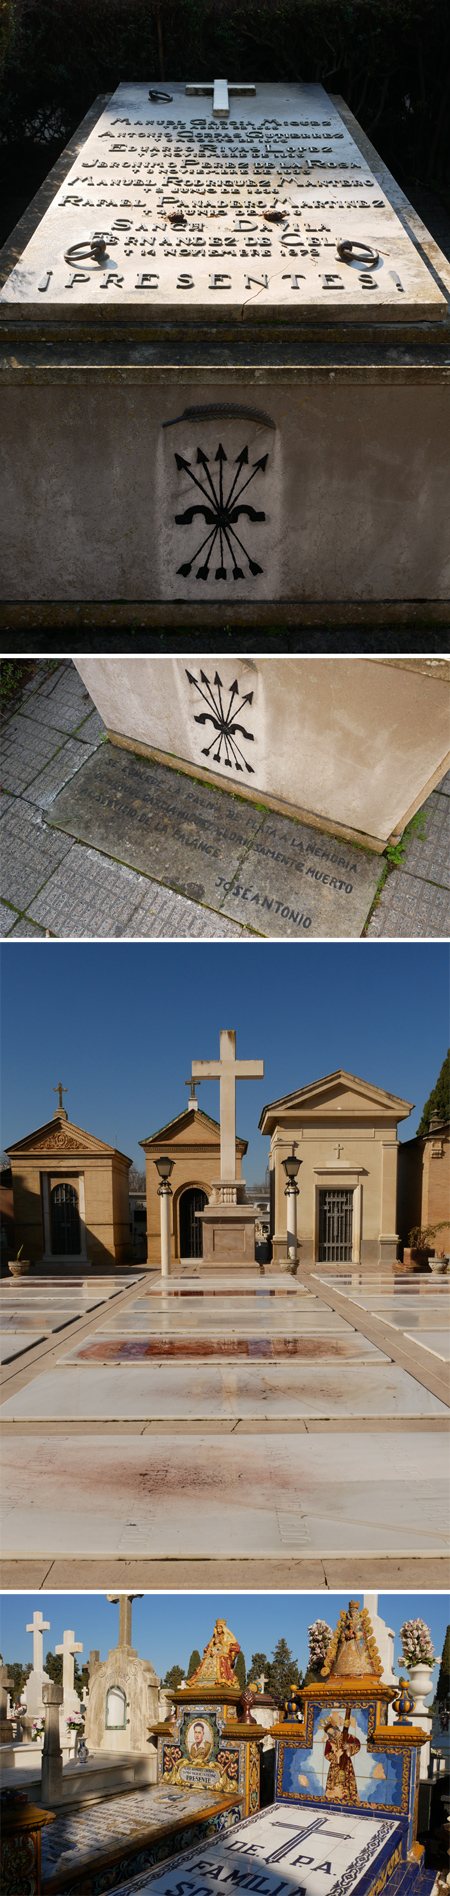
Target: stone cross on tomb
column 262, row 1681
column 228, row 1069
column 69, row 1647
column 37, row 1628
column 6, row 1685
column 60, row 1089
column 221, row 93
column 125, row 1609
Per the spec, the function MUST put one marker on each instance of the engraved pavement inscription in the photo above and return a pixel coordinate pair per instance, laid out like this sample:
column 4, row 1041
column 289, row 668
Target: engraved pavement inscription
column 269, row 872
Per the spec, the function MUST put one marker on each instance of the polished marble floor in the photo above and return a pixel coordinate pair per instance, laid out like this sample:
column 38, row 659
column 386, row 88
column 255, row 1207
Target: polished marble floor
column 300, row 1431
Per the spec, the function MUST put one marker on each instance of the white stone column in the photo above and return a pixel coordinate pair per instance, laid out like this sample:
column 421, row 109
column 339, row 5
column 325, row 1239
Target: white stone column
column 165, row 1197
column 357, row 1221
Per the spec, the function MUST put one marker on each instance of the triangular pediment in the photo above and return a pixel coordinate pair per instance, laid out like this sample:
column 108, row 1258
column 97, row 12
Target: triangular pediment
column 189, row 1128
column 340, row 1093
column 59, row 1136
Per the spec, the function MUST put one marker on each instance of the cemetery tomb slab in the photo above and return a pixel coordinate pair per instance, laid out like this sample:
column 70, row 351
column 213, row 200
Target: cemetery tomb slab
column 132, row 1495
column 308, row 1349
column 197, row 841
column 436, row 1341
column 176, row 215
column 340, row 1852
column 259, row 1389
column 94, row 1837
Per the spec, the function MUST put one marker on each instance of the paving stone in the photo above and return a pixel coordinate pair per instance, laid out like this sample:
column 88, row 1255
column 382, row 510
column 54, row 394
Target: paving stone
column 24, row 930
column 161, row 913
column 58, row 772
column 409, row 906
column 26, row 749
column 429, row 855
column 30, row 853
column 8, row 916
column 61, row 701
column 92, row 729
column 444, row 786
column 88, row 895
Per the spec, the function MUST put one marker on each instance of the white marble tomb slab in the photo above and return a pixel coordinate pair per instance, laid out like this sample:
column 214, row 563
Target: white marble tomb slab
column 291, row 1843
column 198, row 1391
column 116, row 1495
column 436, row 1341
column 13, row 1342
column 286, row 149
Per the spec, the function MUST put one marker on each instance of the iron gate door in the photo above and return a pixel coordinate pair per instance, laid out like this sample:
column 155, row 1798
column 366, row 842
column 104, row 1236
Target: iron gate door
column 191, row 1234
column 335, row 1226
column 65, row 1221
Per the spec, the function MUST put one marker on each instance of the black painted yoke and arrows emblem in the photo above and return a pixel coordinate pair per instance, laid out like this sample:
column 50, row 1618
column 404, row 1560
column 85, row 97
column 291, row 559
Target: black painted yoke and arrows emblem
column 224, row 721
column 220, row 513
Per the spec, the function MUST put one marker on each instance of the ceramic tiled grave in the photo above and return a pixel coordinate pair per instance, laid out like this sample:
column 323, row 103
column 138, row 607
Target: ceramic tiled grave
column 345, row 1816
column 213, row 1739
column 188, row 259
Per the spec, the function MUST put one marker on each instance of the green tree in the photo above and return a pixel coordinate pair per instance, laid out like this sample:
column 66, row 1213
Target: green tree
column 240, row 1670
column 260, row 1663
column 193, row 1662
column 19, row 1675
column 284, row 1670
column 173, row 1677
column 439, row 1100
column 443, row 1684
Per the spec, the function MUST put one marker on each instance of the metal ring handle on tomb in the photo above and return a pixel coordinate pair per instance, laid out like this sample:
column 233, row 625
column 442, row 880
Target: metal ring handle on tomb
column 89, row 247
column 155, row 96
column 351, row 251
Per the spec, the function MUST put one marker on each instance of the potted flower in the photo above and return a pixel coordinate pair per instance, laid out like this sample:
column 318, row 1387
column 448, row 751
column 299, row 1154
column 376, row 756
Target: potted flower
column 37, row 1729
column 422, row 1238
column 418, row 1656
column 19, row 1265
column 75, row 1727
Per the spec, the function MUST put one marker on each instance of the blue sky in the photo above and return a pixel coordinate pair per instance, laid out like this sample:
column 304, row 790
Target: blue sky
column 119, row 1023
column 167, row 1626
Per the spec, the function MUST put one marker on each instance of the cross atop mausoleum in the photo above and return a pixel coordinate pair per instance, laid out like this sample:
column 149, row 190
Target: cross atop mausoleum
column 69, row 1647
column 38, row 1626
column 193, row 1102
column 221, row 94
column 60, row 1089
column 228, row 1069
column 125, row 1610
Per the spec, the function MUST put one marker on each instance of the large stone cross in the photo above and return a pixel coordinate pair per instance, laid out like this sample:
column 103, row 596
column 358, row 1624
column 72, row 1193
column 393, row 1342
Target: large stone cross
column 125, row 1609
column 228, row 1069
column 221, row 93
column 37, row 1628
column 69, row 1647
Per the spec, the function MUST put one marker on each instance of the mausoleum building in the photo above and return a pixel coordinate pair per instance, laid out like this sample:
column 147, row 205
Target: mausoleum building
column 344, row 1132
column 192, row 1140
column 70, row 1193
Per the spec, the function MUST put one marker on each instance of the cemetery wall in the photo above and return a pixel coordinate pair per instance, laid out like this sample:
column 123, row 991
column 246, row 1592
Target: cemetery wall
column 424, row 1185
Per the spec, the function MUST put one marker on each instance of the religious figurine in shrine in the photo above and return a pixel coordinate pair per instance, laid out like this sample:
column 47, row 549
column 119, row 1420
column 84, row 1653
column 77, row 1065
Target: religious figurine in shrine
column 219, row 1658
column 352, row 1652
column 340, row 1748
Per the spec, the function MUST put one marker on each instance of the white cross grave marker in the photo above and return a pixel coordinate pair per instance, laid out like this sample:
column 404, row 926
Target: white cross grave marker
column 221, row 94
column 228, row 1069
column 69, row 1647
column 38, row 1626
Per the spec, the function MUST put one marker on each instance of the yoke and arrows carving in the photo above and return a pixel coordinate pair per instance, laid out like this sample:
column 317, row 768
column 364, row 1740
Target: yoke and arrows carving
column 220, row 513
column 224, row 721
